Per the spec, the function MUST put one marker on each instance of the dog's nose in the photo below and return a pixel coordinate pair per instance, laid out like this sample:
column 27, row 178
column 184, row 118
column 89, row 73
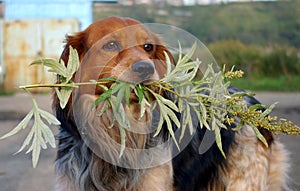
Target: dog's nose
column 144, row 70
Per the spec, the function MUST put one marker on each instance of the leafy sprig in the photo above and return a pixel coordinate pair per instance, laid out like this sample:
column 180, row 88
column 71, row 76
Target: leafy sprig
column 205, row 97
column 40, row 133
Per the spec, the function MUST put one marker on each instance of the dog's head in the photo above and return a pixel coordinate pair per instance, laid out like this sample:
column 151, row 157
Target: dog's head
column 121, row 48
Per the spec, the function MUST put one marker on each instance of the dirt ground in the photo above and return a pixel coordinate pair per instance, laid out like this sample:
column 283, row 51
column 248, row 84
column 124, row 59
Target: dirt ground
column 17, row 174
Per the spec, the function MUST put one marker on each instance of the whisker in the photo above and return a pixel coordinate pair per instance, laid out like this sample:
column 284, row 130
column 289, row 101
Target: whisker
column 102, row 67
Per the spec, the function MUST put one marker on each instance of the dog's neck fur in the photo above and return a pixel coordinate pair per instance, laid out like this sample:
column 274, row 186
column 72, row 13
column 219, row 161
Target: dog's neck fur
column 83, row 170
column 79, row 168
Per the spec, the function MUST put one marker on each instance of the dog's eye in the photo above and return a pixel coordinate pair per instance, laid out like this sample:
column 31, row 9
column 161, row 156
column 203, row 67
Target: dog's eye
column 148, row 47
column 112, row 46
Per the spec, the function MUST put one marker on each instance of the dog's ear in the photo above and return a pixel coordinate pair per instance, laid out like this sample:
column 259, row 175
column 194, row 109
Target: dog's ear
column 160, row 58
column 77, row 42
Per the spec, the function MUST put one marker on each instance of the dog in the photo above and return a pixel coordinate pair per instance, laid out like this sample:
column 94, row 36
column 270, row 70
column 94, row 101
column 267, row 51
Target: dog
column 88, row 156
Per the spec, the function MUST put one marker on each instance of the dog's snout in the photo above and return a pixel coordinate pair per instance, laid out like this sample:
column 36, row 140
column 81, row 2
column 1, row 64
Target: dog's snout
column 144, row 70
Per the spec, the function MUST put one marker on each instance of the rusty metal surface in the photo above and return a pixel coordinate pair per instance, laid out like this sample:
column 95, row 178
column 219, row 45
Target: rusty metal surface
column 2, row 66
column 29, row 40
column 1, row 9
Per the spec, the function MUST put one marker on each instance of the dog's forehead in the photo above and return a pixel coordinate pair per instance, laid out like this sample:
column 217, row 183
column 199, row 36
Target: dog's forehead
column 117, row 27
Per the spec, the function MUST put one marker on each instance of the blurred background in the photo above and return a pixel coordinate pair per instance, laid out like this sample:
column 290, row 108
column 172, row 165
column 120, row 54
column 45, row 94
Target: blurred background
column 260, row 37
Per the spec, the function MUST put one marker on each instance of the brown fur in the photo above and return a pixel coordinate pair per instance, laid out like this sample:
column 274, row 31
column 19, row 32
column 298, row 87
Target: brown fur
column 251, row 166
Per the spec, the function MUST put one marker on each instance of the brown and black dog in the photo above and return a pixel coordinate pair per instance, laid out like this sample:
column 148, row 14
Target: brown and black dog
column 124, row 49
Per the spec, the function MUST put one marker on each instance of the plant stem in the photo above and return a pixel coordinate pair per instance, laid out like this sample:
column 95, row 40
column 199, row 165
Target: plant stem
column 35, row 105
column 69, row 85
column 47, row 86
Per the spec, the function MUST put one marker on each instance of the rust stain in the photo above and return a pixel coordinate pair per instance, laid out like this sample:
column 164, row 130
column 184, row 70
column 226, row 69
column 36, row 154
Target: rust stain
column 11, row 72
column 19, row 72
column 29, row 40
column 23, row 46
column 1, row 9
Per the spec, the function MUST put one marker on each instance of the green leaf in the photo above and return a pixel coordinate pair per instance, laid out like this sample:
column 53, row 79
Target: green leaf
column 143, row 107
column 117, row 86
column 267, row 111
column 260, row 136
column 123, row 141
column 119, row 113
column 104, row 107
column 73, row 63
column 189, row 54
column 185, row 70
column 120, row 97
column 159, row 125
column 123, row 90
column 127, row 95
column 218, row 138
column 202, row 116
column 27, row 140
column 22, row 125
column 165, row 115
column 36, row 150
column 123, row 122
column 107, row 94
column 186, row 119
column 55, row 67
column 170, row 129
column 256, row 107
column 169, row 63
column 63, row 95
column 172, row 116
column 48, row 135
column 166, row 102
column 51, row 119
column 139, row 91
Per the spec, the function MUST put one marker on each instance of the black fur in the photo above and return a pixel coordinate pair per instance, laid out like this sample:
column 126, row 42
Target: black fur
column 194, row 171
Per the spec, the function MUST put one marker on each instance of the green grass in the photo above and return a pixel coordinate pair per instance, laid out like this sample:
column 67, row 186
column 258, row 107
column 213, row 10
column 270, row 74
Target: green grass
column 280, row 84
column 261, row 23
column 6, row 93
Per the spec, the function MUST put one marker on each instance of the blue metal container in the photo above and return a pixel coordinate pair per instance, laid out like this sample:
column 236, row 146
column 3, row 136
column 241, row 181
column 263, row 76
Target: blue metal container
column 57, row 9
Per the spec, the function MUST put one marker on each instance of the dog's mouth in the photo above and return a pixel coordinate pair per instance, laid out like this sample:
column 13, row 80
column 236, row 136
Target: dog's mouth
column 133, row 98
column 141, row 81
column 148, row 82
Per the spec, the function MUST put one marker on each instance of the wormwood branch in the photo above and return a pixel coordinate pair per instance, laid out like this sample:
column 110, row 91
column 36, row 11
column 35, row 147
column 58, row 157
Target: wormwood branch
column 204, row 98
